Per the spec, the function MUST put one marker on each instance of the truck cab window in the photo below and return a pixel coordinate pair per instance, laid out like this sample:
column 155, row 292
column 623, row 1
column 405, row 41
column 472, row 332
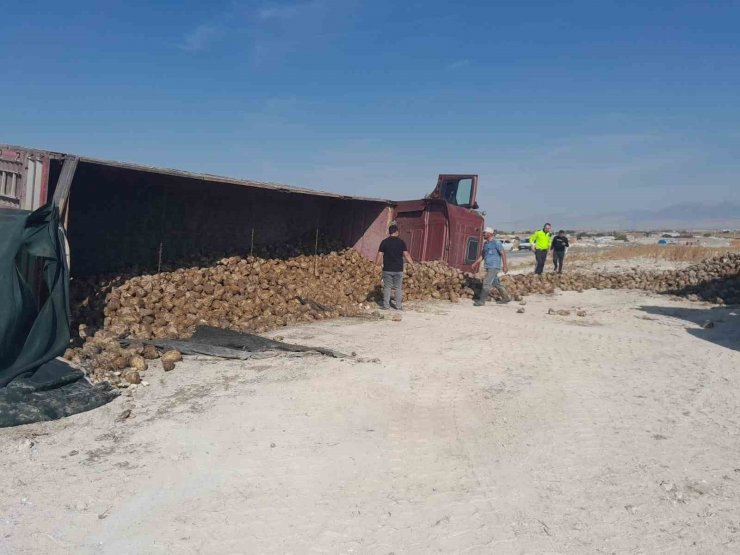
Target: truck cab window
column 471, row 250
column 450, row 192
column 464, row 192
column 459, row 192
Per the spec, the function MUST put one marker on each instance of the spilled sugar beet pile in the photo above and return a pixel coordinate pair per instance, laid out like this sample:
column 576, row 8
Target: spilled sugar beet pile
column 715, row 280
column 255, row 294
column 245, row 294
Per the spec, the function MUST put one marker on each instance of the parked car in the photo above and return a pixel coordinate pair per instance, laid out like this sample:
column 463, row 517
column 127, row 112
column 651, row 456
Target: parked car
column 524, row 244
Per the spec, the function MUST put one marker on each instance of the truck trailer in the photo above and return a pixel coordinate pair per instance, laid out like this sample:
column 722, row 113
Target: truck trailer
column 119, row 215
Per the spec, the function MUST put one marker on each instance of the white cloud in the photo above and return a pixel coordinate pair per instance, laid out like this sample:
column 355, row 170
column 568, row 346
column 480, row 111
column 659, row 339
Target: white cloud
column 279, row 30
column 199, row 38
column 275, row 30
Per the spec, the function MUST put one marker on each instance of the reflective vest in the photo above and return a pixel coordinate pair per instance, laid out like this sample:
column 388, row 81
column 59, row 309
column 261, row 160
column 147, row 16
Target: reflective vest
column 541, row 240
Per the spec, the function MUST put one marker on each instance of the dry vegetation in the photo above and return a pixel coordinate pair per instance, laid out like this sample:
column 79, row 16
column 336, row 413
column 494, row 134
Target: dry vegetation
column 673, row 253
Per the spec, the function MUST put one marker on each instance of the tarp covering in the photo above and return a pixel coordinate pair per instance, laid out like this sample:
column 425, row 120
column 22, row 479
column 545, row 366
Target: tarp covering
column 35, row 323
column 207, row 340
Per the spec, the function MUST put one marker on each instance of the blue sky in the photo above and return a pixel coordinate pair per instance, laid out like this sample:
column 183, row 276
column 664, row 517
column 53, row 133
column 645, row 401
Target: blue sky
column 562, row 107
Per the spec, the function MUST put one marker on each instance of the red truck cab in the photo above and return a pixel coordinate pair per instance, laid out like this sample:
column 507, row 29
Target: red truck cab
column 446, row 225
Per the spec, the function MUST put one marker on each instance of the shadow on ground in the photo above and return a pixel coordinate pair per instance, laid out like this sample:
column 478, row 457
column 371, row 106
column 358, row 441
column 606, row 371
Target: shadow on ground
column 724, row 327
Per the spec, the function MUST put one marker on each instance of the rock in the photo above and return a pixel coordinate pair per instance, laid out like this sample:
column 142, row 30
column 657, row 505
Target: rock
column 138, row 363
column 168, row 365
column 396, row 318
column 176, row 356
column 149, row 352
column 121, row 362
column 124, row 415
column 26, row 444
column 563, row 312
column 131, row 376
column 520, row 311
column 707, row 324
column 69, row 354
column 581, row 313
column 522, row 302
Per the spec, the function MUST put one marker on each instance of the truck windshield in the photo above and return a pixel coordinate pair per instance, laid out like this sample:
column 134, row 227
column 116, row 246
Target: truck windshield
column 458, row 192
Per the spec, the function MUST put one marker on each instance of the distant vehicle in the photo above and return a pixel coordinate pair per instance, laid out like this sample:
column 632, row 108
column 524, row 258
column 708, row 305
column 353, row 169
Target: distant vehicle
column 507, row 244
column 524, row 244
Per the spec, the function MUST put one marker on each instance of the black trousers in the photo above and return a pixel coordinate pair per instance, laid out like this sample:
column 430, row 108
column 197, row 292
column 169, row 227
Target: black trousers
column 541, row 257
column 557, row 258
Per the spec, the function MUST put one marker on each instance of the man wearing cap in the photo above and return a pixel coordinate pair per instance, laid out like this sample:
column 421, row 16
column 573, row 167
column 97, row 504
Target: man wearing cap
column 494, row 255
column 540, row 240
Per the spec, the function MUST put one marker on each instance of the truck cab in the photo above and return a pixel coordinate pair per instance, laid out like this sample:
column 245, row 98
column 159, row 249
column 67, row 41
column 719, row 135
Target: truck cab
column 446, row 224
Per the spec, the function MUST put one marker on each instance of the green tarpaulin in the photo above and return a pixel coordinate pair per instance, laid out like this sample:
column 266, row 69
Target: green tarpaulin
column 35, row 323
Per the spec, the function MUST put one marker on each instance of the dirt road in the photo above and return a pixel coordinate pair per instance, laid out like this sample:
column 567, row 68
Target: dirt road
column 478, row 430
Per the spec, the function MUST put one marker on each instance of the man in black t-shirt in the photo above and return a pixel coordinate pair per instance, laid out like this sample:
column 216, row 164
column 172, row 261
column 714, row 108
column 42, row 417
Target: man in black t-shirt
column 558, row 246
column 392, row 252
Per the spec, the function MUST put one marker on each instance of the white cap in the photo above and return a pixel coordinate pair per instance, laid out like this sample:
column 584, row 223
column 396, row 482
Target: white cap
column 488, row 230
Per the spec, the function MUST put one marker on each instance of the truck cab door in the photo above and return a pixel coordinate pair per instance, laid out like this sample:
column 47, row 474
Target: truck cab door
column 458, row 190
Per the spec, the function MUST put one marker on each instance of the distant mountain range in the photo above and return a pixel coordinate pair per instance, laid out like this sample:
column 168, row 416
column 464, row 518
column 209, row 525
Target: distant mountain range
column 678, row 216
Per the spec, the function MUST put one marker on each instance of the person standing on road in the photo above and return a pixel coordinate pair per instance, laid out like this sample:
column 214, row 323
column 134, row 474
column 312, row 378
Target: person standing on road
column 559, row 245
column 494, row 255
column 540, row 240
column 392, row 252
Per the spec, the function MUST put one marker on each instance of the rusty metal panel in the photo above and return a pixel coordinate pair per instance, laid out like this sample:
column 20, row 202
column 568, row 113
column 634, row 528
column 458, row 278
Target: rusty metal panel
column 412, row 229
column 375, row 229
column 464, row 225
column 12, row 173
column 33, row 183
column 436, row 233
column 23, row 178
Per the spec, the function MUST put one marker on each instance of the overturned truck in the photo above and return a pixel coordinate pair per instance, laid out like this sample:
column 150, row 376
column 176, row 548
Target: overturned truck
column 121, row 216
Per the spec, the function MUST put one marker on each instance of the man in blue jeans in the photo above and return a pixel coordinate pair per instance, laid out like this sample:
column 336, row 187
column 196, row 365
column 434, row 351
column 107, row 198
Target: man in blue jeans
column 494, row 255
column 392, row 252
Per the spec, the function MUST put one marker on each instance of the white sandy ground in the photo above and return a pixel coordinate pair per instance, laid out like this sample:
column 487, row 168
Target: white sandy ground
column 479, row 431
